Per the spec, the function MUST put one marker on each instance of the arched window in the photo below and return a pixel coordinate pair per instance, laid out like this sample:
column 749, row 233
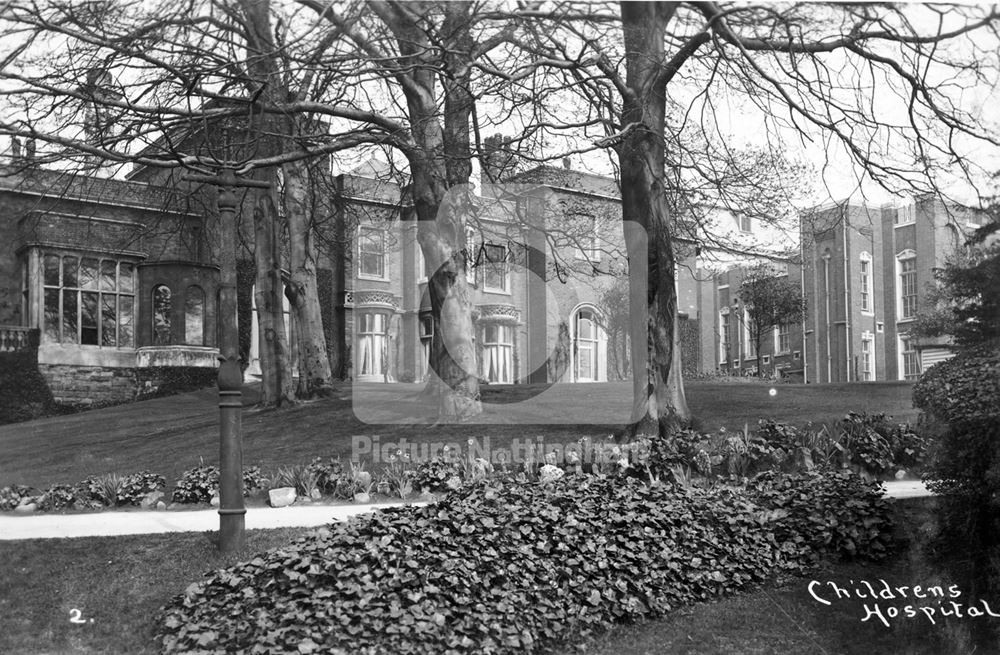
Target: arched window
column 161, row 315
column 194, row 317
column 588, row 355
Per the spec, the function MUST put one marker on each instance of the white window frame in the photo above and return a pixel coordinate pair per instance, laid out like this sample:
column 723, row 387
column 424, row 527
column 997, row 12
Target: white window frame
column 124, row 330
column 910, row 356
column 904, row 258
column 749, row 351
column 489, row 266
column 867, row 356
column 361, row 265
column 724, row 343
column 865, row 273
column 500, row 352
column 906, row 215
column 373, row 346
column 782, row 335
column 745, row 223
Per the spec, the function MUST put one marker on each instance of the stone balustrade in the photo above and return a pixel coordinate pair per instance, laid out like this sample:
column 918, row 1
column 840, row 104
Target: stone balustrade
column 16, row 339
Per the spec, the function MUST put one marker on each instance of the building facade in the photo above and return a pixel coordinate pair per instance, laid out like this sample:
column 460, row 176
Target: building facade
column 866, row 272
column 115, row 277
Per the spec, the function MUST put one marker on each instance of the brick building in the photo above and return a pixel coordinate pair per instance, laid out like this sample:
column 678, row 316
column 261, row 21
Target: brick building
column 115, row 276
column 865, row 275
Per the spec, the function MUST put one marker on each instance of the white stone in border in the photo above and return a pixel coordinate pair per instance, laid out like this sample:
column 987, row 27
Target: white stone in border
column 281, row 497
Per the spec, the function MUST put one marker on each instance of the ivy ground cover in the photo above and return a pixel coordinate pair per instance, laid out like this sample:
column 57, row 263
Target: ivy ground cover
column 507, row 567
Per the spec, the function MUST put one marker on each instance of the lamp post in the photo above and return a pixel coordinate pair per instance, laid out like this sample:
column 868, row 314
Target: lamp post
column 232, row 510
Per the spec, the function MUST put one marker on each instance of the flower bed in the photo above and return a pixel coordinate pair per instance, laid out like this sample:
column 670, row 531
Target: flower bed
column 504, row 566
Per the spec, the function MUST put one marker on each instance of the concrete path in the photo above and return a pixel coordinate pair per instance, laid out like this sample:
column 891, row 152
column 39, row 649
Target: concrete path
column 103, row 524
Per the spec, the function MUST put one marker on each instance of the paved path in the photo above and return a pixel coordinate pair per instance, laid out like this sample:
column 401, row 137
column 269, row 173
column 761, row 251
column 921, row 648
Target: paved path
column 103, row 524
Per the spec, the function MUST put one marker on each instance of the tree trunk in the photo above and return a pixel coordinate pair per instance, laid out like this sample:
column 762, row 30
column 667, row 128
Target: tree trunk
column 302, row 289
column 275, row 363
column 659, row 403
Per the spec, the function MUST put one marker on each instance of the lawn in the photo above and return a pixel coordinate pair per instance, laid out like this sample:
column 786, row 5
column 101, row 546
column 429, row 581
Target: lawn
column 117, row 584
column 121, row 583
column 169, row 435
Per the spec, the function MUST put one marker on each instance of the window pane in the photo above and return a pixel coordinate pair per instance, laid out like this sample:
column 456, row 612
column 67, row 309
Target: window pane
column 70, row 272
column 107, row 275
column 194, row 305
column 125, row 321
column 88, row 318
column 584, row 327
column 88, row 273
column 161, row 316
column 51, row 274
column 109, row 319
column 52, row 315
column 126, row 283
column 69, row 316
column 491, row 334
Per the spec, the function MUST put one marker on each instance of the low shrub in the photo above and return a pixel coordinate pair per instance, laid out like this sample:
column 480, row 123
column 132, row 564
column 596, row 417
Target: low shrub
column 60, row 496
column 112, row 489
column 199, row 484
column 302, row 477
column 829, row 511
column 329, row 475
column 439, row 473
column 495, row 567
column 11, row 497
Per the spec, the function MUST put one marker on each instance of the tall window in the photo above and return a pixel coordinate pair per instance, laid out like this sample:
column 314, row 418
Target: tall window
column 371, row 252
column 866, row 282
column 494, row 262
column 908, row 287
column 910, row 357
column 88, row 301
column 426, row 338
column 723, row 336
column 745, row 224
column 162, row 307
column 372, row 345
column 498, row 353
column 749, row 347
column 586, row 347
column 194, row 317
column 782, row 340
column 867, row 343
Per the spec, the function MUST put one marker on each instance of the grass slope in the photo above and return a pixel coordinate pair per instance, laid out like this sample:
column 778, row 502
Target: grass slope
column 169, row 435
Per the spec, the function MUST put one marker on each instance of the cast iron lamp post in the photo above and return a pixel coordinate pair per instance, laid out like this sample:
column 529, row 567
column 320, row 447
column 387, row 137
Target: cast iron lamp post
column 232, row 510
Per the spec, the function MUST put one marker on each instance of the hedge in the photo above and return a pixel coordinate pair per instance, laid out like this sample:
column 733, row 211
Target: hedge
column 496, row 567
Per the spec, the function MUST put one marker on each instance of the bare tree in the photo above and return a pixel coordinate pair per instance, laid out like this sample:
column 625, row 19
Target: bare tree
column 807, row 70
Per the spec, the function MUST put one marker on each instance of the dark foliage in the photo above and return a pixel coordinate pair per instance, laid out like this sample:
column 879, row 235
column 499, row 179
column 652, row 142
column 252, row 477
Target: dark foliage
column 504, row 567
column 199, row 484
column 829, row 511
column 960, row 399
column 24, row 394
column 113, row 490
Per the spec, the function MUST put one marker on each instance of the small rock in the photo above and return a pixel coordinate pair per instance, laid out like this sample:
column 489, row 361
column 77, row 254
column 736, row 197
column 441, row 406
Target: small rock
column 215, row 501
column 315, row 494
column 172, row 506
column 303, row 499
column 427, row 497
column 362, row 498
column 150, row 499
column 27, row 500
column 161, row 506
column 900, row 474
column 25, row 509
column 363, row 478
column 281, row 497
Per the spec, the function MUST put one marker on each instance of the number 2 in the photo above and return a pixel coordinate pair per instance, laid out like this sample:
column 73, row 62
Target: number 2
column 76, row 616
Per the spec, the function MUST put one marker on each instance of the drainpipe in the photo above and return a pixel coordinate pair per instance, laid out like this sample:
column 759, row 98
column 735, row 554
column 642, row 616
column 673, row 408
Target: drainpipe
column 826, row 293
column 802, row 290
column 847, row 294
